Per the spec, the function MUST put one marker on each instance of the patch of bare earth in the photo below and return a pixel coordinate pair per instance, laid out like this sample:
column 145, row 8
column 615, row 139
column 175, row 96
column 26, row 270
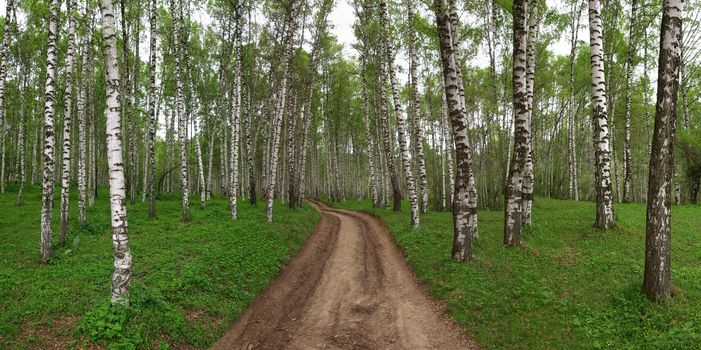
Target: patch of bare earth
column 348, row 288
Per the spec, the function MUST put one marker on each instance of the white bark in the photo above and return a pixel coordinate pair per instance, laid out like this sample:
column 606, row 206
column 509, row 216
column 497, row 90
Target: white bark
column 3, row 72
column 236, row 110
column 401, row 123
column 528, row 176
column 464, row 225
column 121, row 276
column 281, row 104
column 418, row 138
column 67, row 113
column 153, row 117
column 181, row 112
column 604, row 196
column 49, row 134
column 657, row 281
column 82, row 149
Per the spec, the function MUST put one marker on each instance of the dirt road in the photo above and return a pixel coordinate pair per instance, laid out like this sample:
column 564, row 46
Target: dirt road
column 348, row 288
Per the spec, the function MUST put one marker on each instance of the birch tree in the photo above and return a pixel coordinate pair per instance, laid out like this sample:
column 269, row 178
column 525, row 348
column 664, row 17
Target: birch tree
column 513, row 220
column 281, row 103
column 657, row 281
column 3, row 73
column 121, row 276
column 528, row 176
column 627, row 156
column 386, row 139
column 602, row 150
column 153, row 117
column 82, row 149
column 418, row 138
column 464, row 228
column 401, row 119
column 236, row 110
column 68, row 110
column 577, row 7
column 47, row 183
column 180, row 111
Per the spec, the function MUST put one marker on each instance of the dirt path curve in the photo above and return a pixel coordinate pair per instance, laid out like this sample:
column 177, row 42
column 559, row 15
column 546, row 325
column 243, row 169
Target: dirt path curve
column 348, row 288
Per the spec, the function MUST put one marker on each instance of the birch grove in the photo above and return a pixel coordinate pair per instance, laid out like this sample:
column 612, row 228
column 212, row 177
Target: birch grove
column 455, row 107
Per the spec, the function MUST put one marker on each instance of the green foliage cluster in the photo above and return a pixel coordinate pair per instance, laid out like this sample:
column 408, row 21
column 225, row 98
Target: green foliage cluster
column 189, row 280
column 571, row 287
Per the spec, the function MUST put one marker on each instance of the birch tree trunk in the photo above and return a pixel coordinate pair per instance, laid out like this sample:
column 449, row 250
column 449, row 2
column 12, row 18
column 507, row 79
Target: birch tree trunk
column 386, row 138
column 121, row 276
column 418, row 138
column 401, row 120
column 236, row 111
column 21, row 145
column 571, row 144
column 657, row 281
column 513, row 220
column 604, row 198
column 47, row 183
column 448, row 141
column 153, row 117
column 528, row 176
column 181, row 113
column 67, row 112
column 281, row 103
column 82, row 183
column 3, row 74
column 464, row 228
column 627, row 161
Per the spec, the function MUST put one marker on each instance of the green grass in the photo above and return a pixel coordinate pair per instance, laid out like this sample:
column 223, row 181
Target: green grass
column 190, row 280
column 571, row 287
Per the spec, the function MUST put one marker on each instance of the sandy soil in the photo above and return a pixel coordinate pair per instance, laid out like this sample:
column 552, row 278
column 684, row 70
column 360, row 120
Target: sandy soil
column 348, row 288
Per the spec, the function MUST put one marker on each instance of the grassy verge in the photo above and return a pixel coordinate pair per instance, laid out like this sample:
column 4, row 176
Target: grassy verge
column 190, row 280
column 571, row 287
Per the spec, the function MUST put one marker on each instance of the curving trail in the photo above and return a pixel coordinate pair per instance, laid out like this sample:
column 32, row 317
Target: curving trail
column 348, row 288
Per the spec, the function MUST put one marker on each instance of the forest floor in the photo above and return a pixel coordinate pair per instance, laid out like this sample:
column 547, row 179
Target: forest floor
column 348, row 288
column 570, row 287
column 190, row 280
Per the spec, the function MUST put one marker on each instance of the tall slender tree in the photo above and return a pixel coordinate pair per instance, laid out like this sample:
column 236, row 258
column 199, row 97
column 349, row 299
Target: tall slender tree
column 121, row 276
column 577, row 6
column 236, row 110
column 180, row 109
column 386, row 137
column 602, row 150
column 657, row 280
column 9, row 10
column 48, row 179
column 513, row 220
column 281, row 103
column 67, row 122
column 414, row 81
column 627, row 155
column 153, row 117
column 464, row 228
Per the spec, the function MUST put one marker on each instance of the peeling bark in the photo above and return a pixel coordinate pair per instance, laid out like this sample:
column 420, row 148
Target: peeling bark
column 657, row 281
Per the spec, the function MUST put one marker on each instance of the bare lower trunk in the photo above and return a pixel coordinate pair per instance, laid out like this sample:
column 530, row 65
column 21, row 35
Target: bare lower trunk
column 9, row 10
column 68, row 111
column 464, row 229
column 604, row 198
column 49, row 135
column 418, row 139
column 153, row 117
column 529, row 175
column 657, row 281
column 571, row 128
column 182, row 116
column 281, row 103
column 82, row 156
column 236, row 113
column 513, row 219
column 401, row 124
column 449, row 146
column 627, row 161
column 121, row 276
column 386, row 138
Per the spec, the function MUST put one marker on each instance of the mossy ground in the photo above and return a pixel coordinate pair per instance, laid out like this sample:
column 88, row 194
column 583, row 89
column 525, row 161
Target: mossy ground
column 190, row 280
